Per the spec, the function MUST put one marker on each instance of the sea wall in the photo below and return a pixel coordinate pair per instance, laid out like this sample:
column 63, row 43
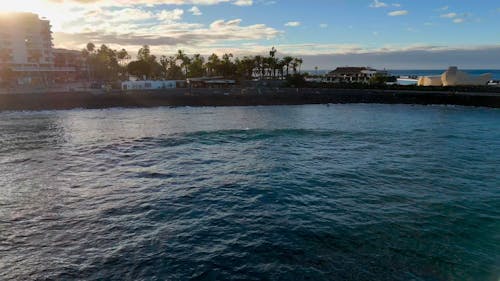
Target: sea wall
column 238, row 97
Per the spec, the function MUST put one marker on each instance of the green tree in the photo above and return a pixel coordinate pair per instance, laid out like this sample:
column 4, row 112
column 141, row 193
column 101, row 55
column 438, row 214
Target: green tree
column 144, row 54
column 245, row 67
column 272, row 62
column 297, row 62
column 170, row 67
column 259, row 66
column 104, row 63
column 281, row 69
column 146, row 66
column 228, row 68
column 296, row 80
column 213, row 65
column 122, row 55
column 287, row 61
column 381, row 79
column 196, row 66
column 185, row 61
column 139, row 68
column 90, row 47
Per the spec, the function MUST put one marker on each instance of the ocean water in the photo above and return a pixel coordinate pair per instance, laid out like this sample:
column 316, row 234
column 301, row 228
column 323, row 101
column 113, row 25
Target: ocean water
column 340, row 192
column 425, row 72
column 494, row 72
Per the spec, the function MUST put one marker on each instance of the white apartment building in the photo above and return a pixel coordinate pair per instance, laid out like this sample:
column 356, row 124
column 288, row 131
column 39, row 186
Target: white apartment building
column 25, row 42
column 26, row 50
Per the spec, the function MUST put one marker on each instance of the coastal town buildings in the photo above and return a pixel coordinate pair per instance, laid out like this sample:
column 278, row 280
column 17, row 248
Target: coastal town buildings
column 148, row 85
column 69, row 66
column 26, row 51
column 353, row 74
column 210, row 82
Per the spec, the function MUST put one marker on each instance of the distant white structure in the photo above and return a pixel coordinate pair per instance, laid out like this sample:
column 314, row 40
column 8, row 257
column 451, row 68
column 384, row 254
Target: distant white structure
column 430, row 81
column 148, row 85
column 454, row 77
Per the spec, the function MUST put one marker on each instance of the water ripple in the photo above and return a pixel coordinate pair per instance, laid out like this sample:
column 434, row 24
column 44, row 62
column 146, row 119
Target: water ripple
column 346, row 192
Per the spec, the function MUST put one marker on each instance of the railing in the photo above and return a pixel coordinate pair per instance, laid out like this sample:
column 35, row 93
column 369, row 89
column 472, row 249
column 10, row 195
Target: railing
column 42, row 69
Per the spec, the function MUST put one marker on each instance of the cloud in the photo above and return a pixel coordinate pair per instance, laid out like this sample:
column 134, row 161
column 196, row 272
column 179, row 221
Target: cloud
column 171, row 34
column 449, row 15
column 293, row 23
column 153, row 2
column 243, row 2
column 169, row 16
column 266, row 2
column 398, row 13
column 323, row 25
column 195, row 11
column 378, row 4
column 455, row 17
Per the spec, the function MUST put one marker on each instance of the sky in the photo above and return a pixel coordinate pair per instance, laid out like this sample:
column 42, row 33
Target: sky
column 399, row 34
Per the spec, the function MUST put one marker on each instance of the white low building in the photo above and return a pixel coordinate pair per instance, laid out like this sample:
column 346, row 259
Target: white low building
column 148, row 85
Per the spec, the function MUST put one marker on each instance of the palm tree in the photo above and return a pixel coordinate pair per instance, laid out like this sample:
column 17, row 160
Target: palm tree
column 122, row 56
column 90, row 47
column 185, row 61
column 272, row 62
column 170, row 68
column 268, row 64
column 259, row 66
column 212, row 64
column 197, row 66
column 144, row 54
column 299, row 61
column 287, row 61
column 272, row 53
column 227, row 64
column 246, row 67
column 281, row 66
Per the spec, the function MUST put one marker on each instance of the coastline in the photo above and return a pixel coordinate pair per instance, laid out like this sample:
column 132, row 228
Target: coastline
column 239, row 97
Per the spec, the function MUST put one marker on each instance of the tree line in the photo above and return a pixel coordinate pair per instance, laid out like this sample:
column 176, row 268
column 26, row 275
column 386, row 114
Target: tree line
column 106, row 64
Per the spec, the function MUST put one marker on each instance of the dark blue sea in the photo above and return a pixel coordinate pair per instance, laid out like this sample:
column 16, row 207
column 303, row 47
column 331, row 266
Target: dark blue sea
column 476, row 72
column 340, row 192
column 429, row 72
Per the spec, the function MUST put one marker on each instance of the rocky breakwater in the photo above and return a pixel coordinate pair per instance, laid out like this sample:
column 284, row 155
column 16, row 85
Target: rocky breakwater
column 239, row 97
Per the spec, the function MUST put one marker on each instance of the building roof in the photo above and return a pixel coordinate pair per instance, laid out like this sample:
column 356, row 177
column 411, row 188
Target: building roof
column 350, row 70
column 66, row 51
